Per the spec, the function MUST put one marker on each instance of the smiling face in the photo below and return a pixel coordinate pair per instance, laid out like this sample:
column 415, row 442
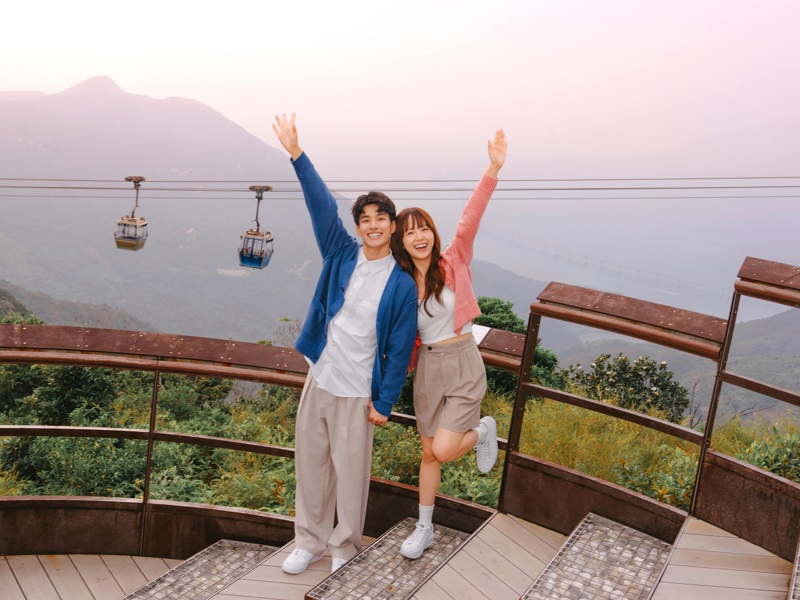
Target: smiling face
column 375, row 228
column 416, row 240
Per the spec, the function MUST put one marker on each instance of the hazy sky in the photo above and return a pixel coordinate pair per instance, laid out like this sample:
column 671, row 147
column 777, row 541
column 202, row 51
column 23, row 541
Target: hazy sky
column 412, row 90
column 583, row 88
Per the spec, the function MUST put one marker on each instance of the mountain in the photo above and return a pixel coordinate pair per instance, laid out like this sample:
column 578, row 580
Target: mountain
column 96, row 130
column 57, row 241
column 63, row 312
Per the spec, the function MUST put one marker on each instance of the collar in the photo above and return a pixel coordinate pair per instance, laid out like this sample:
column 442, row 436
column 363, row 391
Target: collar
column 374, row 266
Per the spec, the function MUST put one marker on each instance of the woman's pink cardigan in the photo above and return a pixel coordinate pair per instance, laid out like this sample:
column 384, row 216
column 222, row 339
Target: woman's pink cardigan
column 455, row 259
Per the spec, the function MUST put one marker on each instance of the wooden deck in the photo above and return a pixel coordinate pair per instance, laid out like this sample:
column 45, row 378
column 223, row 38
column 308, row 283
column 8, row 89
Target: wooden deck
column 499, row 563
column 708, row 563
column 77, row 576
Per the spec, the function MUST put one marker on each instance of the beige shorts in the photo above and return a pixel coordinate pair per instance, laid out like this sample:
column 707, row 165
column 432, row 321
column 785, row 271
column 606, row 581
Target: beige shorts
column 449, row 384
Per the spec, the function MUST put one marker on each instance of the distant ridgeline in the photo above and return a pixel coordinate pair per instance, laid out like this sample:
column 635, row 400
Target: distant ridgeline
column 9, row 303
column 64, row 312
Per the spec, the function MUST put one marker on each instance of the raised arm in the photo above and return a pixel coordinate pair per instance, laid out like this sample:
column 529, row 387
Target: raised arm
column 286, row 131
column 497, row 153
column 329, row 231
column 467, row 227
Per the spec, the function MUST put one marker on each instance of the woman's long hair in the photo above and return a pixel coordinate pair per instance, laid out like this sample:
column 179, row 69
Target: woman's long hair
column 410, row 218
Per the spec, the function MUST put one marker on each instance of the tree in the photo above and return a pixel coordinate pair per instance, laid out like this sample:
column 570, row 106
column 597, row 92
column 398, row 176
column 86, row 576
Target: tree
column 499, row 314
column 639, row 385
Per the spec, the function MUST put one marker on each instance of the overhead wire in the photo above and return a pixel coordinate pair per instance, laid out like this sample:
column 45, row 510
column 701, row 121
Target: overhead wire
column 506, row 186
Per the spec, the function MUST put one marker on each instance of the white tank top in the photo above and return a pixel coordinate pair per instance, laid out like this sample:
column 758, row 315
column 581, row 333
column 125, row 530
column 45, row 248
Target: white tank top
column 439, row 325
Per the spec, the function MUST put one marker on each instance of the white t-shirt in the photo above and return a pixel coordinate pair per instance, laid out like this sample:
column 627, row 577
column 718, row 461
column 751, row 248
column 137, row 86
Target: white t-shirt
column 345, row 366
column 439, row 325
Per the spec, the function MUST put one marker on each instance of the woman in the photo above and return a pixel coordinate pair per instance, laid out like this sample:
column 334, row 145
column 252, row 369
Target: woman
column 450, row 378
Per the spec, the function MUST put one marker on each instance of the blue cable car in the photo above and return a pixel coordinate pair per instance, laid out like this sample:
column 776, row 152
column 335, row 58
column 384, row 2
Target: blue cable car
column 131, row 232
column 255, row 247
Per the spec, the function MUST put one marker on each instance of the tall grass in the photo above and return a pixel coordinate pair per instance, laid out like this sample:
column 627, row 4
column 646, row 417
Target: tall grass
column 614, row 450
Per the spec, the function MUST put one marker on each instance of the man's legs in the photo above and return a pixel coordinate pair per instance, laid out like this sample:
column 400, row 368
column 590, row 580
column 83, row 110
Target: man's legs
column 316, row 479
column 351, row 451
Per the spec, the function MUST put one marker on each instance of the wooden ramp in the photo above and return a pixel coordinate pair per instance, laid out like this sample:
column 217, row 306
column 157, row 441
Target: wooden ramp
column 708, row 563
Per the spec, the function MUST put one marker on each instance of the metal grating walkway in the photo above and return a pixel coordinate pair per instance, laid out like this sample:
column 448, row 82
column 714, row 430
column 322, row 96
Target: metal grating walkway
column 602, row 559
column 205, row 573
column 380, row 572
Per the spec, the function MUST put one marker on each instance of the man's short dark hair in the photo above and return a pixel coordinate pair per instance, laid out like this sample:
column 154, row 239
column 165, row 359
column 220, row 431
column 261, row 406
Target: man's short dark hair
column 385, row 205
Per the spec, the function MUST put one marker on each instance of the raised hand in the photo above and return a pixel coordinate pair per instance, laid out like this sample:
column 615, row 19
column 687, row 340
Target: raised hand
column 286, row 131
column 497, row 153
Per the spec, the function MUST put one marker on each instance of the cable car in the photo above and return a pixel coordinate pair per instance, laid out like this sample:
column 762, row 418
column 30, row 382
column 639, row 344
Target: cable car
column 255, row 247
column 131, row 232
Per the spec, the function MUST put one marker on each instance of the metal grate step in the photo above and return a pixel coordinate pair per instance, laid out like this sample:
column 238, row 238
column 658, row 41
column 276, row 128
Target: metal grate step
column 380, row 572
column 206, row 573
column 602, row 559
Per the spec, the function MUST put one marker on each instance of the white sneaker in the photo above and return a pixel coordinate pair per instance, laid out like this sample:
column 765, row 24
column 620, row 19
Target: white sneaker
column 298, row 561
column 486, row 451
column 417, row 542
column 337, row 563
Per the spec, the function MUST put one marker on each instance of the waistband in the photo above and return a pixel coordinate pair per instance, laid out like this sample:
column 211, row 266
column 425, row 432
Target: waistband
column 453, row 347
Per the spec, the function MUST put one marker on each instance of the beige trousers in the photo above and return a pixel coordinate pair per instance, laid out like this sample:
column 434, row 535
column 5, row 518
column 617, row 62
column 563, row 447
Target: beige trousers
column 333, row 458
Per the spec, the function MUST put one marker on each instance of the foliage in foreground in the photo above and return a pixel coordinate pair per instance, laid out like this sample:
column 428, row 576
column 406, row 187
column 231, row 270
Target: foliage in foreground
column 620, row 452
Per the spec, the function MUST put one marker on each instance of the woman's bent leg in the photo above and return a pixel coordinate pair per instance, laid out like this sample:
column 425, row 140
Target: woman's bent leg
column 448, row 446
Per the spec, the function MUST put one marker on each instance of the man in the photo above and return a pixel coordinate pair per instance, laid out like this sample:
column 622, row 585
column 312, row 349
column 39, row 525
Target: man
column 357, row 336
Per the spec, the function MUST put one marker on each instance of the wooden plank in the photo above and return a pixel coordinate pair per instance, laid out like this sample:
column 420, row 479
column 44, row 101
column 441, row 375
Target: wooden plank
column 32, row 577
column 700, row 527
column 540, row 548
column 65, row 577
column 432, row 591
column 711, row 543
column 678, row 591
column 125, row 571
column 172, row 562
column 553, row 538
column 479, row 575
column 724, row 560
column 727, row 578
column 520, row 557
column 244, row 588
column 97, row 576
column 498, row 565
column 453, row 584
column 151, row 566
column 8, row 583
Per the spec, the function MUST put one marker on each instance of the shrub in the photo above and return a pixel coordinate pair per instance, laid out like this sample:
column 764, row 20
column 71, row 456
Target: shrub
column 641, row 385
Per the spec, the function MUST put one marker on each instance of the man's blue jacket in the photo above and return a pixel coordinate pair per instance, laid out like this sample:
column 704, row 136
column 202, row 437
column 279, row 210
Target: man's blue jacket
column 397, row 311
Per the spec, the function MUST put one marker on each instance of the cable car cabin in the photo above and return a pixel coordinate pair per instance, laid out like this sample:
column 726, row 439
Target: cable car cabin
column 255, row 249
column 131, row 233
